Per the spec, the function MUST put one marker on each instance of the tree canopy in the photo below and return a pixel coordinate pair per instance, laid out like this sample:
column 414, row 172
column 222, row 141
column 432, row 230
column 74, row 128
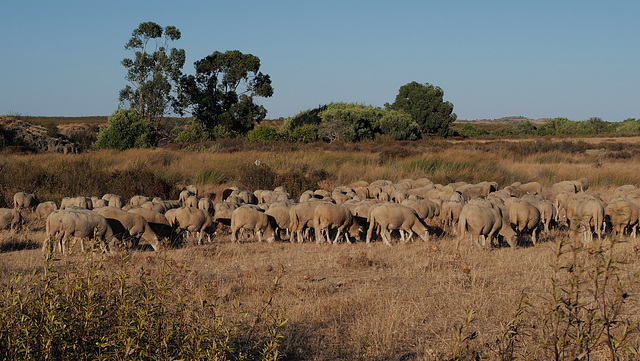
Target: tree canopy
column 154, row 76
column 425, row 103
column 222, row 91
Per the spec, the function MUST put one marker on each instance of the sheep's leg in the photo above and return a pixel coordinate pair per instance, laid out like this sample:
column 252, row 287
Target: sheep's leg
column 338, row 234
column 410, row 233
column 386, row 237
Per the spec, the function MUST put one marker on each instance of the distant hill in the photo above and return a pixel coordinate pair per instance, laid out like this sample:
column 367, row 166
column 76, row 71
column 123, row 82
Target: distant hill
column 514, row 120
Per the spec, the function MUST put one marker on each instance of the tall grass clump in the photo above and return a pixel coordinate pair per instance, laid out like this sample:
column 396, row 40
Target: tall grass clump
column 83, row 311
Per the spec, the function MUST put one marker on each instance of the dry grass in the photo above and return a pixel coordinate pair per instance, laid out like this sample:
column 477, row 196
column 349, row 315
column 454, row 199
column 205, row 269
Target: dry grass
column 358, row 302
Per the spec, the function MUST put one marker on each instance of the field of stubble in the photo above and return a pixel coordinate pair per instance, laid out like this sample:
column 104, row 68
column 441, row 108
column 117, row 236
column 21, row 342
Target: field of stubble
column 413, row 301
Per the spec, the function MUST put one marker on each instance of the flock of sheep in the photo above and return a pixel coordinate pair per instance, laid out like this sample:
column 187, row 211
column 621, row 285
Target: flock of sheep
column 361, row 211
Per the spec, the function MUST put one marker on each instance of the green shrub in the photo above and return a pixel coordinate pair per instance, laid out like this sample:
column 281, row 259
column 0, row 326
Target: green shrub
column 348, row 122
column 469, row 130
column 263, row 133
column 398, row 125
column 220, row 132
column 194, row 131
column 524, row 128
column 126, row 129
column 82, row 311
column 306, row 117
column 305, row 133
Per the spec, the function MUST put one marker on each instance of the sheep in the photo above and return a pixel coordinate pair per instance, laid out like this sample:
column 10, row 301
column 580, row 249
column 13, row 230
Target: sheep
column 191, row 201
column 280, row 214
column 267, row 196
column 534, row 188
column 156, row 220
column 10, row 218
column 192, row 188
column 245, row 196
column 80, row 202
column 113, row 200
column 425, row 208
column 328, row 216
column 301, row 218
column 152, row 206
column 587, row 213
column 68, row 225
column 252, row 219
column 99, row 203
column 44, row 209
column 524, row 217
column 223, row 211
column 623, row 214
column 389, row 217
column 450, row 214
column 133, row 224
column 206, row 204
column 25, row 200
column 192, row 220
column 138, row 200
column 306, row 196
column 184, row 195
column 480, row 221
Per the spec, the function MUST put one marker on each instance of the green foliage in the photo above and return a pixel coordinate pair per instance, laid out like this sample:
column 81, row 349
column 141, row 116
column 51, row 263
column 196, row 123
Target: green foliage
column 153, row 76
column 80, row 311
column 524, row 128
column 348, row 122
column 629, row 125
column 221, row 92
column 564, row 126
column 125, row 129
column 425, row 103
column 398, row 125
column 304, row 133
column 306, row 117
column 597, row 125
column 194, row 131
column 264, row 133
column 469, row 130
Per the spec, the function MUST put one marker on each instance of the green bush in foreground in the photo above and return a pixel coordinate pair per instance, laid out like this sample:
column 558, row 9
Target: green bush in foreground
column 80, row 311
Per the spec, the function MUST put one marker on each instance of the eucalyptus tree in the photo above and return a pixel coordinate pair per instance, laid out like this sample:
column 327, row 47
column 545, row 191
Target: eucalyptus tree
column 154, row 71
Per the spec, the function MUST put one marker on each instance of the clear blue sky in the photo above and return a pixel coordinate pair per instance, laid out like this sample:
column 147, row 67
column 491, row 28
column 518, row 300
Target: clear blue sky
column 571, row 58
